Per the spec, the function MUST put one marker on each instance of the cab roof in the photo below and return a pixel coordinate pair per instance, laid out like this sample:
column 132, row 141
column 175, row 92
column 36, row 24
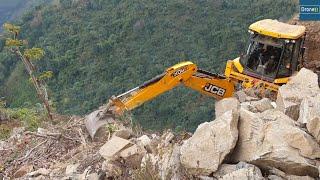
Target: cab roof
column 276, row 29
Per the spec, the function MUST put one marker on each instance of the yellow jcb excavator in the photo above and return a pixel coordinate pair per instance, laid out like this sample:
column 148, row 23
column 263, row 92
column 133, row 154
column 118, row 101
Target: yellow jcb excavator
column 275, row 52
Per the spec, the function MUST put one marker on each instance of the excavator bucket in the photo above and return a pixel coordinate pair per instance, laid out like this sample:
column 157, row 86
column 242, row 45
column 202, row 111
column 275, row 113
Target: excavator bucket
column 98, row 119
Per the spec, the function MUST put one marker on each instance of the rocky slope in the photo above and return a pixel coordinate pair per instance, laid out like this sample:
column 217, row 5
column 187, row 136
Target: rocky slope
column 312, row 43
column 250, row 139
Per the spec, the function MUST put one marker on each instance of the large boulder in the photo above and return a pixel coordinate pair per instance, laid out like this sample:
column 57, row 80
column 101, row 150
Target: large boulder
column 244, row 172
column 211, row 143
column 167, row 163
column 225, row 105
column 289, row 97
column 310, row 115
column 272, row 139
column 111, row 149
column 226, row 171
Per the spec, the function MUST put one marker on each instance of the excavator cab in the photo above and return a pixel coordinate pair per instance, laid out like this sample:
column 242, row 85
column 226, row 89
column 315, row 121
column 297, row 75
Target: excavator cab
column 275, row 50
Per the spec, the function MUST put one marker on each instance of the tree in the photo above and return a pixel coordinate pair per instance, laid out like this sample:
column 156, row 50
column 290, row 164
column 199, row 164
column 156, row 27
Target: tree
column 15, row 46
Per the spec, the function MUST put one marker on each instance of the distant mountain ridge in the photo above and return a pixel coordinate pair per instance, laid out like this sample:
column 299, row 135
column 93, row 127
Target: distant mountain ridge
column 11, row 9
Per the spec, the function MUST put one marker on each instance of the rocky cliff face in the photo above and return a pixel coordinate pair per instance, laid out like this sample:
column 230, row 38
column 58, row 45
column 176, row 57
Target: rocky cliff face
column 250, row 139
column 312, row 60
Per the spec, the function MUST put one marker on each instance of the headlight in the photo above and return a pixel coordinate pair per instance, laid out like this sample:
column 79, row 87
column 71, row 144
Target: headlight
column 290, row 41
column 251, row 32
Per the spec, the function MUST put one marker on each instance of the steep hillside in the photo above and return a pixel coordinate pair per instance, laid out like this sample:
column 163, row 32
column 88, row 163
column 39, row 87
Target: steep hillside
column 12, row 9
column 100, row 48
column 312, row 60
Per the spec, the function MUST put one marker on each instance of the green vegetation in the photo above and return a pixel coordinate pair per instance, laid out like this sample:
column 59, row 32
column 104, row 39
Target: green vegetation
column 29, row 117
column 99, row 48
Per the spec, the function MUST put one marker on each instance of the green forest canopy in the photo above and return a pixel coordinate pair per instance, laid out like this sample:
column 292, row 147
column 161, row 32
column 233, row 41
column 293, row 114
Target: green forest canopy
column 100, row 48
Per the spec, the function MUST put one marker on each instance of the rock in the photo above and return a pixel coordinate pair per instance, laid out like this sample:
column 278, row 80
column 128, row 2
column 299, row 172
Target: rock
column 23, row 170
column 271, row 139
column 303, row 142
column 170, row 165
column 153, row 146
column 113, row 146
column 168, row 137
column 262, row 105
column 84, row 175
column 40, row 177
column 17, row 132
column 250, row 127
column 274, row 177
column 133, row 156
column 206, row 178
column 124, row 133
column 246, row 172
column 242, row 96
column 132, row 150
column 154, row 136
column 42, row 131
column 3, row 145
column 277, row 172
column 143, row 141
column 310, row 115
column 291, row 177
column 93, row 176
column 258, row 106
column 39, row 172
column 112, row 170
column 274, row 105
column 211, row 143
column 225, row 105
column 71, row 169
column 289, row 97
column 224, row 169
column 167, row 163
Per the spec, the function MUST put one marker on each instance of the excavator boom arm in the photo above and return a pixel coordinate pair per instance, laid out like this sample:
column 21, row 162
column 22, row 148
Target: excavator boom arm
column 185, row 73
